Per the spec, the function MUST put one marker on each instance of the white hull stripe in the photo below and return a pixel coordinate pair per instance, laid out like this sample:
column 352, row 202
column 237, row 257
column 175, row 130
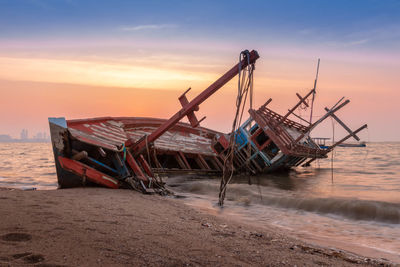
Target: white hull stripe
column 109, row 179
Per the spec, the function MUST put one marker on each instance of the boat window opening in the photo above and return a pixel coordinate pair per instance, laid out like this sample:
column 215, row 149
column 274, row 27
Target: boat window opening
column 180, row 161
column 261, row 138
column 200, row 163
column 193, row 163
column 266, row 155
column 254, row 129
column 77, row 145
column 154, row 161
column 94, row 158
column 168, row 161
column 210, row 162
column 219, row 148
column 271, row 150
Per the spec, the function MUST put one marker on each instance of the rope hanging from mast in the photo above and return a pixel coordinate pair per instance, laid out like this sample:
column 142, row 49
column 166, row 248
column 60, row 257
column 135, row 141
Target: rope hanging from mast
column 315, row 90
column 245, row 86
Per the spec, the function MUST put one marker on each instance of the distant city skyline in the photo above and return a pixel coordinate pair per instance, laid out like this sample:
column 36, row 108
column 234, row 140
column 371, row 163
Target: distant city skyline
column 24, row 136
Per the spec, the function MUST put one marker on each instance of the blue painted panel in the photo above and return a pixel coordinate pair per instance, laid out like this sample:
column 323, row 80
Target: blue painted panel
column 241, row 138
column 122, row 170
column 59, row 121
column 102, row 164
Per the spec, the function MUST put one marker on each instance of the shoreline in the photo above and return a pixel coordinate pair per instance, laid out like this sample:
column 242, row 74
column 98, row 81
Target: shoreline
column 98, row 226
column 310, row 239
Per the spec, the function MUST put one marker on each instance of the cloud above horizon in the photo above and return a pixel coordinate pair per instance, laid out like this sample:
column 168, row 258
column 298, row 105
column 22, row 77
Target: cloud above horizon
column 100, row 73
column 147, row 27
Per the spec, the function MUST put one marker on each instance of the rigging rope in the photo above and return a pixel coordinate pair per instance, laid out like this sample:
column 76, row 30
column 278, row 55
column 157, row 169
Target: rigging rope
column 333, row 150
column 245, row 85
column 313, row 96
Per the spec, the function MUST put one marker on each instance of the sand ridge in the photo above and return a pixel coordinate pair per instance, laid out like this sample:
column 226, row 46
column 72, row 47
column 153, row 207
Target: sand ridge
column 104, row 227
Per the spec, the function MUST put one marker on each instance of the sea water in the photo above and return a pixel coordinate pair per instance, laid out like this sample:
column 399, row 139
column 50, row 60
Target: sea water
column 27, row 166
column 352, row 202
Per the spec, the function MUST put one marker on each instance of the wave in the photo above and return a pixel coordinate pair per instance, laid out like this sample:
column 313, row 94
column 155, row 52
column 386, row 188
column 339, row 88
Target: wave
column 349, row 208
column 355, row 209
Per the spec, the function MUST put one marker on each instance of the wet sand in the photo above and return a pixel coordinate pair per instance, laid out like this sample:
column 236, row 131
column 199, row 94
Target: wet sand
column 103, row 227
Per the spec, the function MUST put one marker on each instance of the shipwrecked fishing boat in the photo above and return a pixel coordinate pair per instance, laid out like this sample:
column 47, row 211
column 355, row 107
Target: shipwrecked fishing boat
column 100, row 151
column 135, row 152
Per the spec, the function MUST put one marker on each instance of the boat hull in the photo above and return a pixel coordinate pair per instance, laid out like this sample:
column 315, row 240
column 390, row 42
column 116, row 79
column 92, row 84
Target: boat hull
column 103, row 145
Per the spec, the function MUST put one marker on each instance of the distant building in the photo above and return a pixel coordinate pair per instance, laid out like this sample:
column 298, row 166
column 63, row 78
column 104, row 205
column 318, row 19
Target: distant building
column 41, row 137
column 38, row 136
column 5, row 138
column 24, row 134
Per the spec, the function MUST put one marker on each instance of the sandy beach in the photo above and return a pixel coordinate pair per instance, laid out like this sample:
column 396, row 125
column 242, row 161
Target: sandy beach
column 103, row 227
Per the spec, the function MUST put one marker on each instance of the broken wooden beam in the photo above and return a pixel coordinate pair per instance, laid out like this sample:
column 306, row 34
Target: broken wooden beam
column 344, row 125
column 348, row 136
column 297, row 116
column 336, row 144
column 302, row 100
column 312, row 126
column 185, row 160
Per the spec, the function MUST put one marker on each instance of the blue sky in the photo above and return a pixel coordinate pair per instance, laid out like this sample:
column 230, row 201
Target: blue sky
column 367, row 23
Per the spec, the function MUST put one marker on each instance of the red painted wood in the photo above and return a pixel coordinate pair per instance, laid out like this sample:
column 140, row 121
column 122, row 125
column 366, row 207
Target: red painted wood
column 220, row 165
column 180, row 161
column 191, row 117
column 254, row 136
column 185, row 160
column 145, row 165
column 224, row 143
column 203, row 162
column 91, row 174
column 135, row 167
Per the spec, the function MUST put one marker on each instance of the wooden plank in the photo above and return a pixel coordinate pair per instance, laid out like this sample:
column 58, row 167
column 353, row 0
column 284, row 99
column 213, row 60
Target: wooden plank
column 155, row 159
column 135, row 167
column 88, row 172
column 297, row 116
column 145, row 166
column 344, row 125
column 214, row 163
column 266, row 103
column 221, row 165
column 302, row 100
column 185, row 160
column 180, row 161
column 337, row 143
column 348, row 136
column 312, row 126
column 204, row 162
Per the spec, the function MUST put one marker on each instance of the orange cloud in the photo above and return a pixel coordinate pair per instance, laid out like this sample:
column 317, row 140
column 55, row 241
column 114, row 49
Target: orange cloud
column 97, row 73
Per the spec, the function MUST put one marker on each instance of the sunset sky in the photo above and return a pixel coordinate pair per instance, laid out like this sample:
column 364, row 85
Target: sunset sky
column 79, row 59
